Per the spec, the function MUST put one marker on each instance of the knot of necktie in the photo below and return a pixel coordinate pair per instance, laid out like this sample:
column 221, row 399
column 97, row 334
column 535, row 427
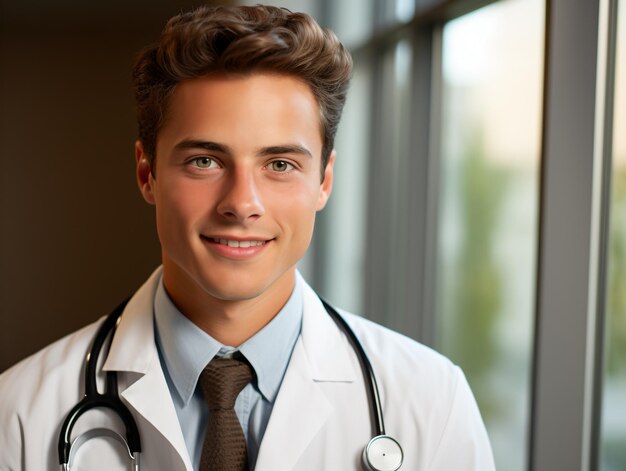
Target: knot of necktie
column 222, row 380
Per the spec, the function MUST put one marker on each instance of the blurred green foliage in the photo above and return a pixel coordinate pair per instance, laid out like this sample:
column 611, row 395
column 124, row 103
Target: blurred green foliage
column 616, row 302
column 614, row 440
column 474, row 285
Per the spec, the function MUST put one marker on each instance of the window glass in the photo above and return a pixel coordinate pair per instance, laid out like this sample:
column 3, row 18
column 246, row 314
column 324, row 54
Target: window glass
column 306, row 6
column 395, row 11
column 388, row 192
column 343, row 222
column 492, row 66
column 613, row 431
column 404, row 10
column 394, row 155
column 351, row 20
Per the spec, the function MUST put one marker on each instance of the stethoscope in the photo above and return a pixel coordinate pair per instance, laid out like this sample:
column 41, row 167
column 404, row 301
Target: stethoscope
column 382, row 453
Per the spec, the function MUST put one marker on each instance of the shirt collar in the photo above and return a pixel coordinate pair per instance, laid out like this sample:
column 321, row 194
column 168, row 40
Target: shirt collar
column 186, row 349
column 269, row 350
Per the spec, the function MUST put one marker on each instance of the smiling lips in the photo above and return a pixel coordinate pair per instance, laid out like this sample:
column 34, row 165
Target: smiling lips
column 238, row 243
column 236, row 249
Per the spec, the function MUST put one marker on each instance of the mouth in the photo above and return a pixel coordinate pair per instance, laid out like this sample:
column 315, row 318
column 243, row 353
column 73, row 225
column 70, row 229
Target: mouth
column 237, row 243
column 237, row 249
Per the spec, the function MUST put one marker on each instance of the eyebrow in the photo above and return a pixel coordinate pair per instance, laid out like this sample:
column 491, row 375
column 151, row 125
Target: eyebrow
column 199, row 144
column 224, row 149
column 285, row 149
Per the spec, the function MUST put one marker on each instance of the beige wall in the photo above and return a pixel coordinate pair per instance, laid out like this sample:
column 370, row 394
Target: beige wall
column 76, row 237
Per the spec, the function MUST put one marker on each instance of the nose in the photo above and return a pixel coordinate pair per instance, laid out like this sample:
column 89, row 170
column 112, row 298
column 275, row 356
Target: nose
column 241, row 200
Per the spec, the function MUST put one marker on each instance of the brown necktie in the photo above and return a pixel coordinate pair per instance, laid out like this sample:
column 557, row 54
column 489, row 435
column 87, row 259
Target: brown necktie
column 224, row 446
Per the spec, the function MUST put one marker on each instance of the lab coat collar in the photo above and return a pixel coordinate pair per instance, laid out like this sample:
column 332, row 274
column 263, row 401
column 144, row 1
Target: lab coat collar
column 328, row 350
column 134, row 351
column 133, row 348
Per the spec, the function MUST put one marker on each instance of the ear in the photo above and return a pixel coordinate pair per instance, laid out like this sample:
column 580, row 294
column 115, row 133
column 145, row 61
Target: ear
column 145, row 180
column 326, row 187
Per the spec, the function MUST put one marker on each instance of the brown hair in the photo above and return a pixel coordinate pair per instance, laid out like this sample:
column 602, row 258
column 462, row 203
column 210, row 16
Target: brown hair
column 241, row 40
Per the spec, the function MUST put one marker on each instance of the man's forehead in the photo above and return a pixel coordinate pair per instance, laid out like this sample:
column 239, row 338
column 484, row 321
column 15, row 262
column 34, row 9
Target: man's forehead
column 229, row 79
column 259, row 100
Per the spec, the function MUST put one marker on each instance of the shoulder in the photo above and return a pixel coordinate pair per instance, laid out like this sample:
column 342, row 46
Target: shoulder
column 53, row 364
column 48, row 364
column 383, row 345
column 64, row 359
column 409, row 371
column 432, row 391
column 38, row 392
column 35, row 392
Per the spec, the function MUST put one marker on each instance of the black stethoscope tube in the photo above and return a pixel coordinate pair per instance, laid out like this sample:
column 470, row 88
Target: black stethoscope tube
column 366, row 368
column 93, row 399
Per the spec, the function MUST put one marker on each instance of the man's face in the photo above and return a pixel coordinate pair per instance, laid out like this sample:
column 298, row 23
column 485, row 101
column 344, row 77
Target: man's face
column 237, row 184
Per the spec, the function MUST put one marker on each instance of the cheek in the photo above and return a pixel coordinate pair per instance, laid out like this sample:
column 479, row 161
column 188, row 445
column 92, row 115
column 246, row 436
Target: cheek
column 178, row 206
column 297, row 210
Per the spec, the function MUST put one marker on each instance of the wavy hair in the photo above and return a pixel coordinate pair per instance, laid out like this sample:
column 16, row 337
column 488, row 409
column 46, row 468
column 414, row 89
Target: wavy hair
column 241, row 40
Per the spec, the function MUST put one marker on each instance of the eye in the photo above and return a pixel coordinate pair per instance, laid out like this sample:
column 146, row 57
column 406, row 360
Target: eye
column 281, row 166
column 203, row 162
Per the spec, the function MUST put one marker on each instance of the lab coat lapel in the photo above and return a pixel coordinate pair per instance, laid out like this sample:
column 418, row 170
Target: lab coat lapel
column 302, row 408
column 300, row 411
column 150, row 398
column 134, row 352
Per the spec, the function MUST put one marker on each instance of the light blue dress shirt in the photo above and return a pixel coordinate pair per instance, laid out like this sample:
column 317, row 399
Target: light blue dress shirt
column 185, row 349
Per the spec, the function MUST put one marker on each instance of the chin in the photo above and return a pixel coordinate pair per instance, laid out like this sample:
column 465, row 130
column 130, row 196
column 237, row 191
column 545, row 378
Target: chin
column 232, row 294
column 245, row 284
column 236, row 289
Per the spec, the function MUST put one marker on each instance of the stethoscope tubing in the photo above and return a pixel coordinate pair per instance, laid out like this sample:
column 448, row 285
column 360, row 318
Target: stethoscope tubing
column 93, row 399
column 366, row 368
column 110, row 398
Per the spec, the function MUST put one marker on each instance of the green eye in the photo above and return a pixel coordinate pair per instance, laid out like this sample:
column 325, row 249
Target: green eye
column 280, row 166
column 203, row 162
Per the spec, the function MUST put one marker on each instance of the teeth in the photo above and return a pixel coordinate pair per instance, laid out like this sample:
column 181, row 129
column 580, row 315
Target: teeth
column 243, row 243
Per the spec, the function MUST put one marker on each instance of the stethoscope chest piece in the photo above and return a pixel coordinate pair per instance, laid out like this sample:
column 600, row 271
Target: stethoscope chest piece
column 383, row 453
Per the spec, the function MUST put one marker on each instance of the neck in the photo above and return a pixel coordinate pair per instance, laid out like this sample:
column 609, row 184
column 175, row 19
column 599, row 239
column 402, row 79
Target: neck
column 229, row 321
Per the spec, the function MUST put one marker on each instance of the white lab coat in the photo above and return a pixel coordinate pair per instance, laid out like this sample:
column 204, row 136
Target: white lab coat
column 320, row 420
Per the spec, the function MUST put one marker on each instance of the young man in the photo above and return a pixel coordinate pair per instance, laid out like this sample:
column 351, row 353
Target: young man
column 237, row 111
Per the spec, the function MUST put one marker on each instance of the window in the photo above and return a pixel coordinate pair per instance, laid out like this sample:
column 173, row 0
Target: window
column 488, row 211
column 343, row 222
